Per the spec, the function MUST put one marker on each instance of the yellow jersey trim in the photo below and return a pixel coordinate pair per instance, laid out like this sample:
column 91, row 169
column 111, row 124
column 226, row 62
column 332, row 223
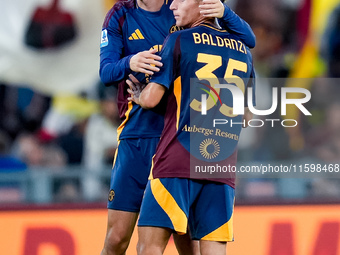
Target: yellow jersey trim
column 217, row 29
column 152, row 164
column 178, row 93
column 121, row 126
column 116, row 153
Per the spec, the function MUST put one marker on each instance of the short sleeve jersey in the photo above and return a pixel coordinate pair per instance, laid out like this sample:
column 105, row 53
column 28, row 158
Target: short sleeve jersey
column 195, row 60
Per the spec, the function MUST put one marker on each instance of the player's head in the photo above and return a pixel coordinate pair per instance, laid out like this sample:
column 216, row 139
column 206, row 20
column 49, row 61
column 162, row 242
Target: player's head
column 186, row 12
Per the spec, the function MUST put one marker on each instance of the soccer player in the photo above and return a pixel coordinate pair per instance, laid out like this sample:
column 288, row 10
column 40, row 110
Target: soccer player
column 180, row 192
column 133, row 31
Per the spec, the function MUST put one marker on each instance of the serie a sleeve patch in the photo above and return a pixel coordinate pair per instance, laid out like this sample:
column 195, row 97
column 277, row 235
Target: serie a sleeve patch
column 104, row 39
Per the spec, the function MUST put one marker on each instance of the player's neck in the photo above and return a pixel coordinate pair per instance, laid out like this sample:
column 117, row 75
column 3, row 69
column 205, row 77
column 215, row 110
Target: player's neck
column 150, row 5
column 210, row 21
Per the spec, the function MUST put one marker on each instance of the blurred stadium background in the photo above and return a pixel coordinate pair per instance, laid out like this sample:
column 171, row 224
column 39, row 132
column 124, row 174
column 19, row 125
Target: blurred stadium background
column 58, row 122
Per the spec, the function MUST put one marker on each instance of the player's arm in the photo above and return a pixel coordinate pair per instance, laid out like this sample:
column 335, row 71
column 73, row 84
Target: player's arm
column 114, row 66
column 151, row 95
column 229, row 20
column 148, row 97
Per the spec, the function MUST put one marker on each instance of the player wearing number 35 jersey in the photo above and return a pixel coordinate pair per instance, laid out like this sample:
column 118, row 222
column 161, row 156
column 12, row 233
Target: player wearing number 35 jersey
column 195, row 61
column 179, row 193
column 131, row 28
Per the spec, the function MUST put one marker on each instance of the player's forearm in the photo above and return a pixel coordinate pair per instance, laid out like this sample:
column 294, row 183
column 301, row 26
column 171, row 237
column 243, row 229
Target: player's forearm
column 235, row 25
column 151, row 95
column 114, row 70
column 143, row 101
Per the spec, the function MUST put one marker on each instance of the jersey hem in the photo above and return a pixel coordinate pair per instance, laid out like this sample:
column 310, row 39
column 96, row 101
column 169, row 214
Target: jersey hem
column 117, row 208
column 137, row 136
column 181, row 175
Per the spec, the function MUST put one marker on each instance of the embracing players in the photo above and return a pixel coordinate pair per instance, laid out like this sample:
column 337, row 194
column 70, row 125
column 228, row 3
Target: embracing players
column 132, row 33
column 196, row 61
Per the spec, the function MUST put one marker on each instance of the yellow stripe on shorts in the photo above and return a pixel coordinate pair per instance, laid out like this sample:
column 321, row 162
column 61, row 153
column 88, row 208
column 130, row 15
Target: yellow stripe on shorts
column 224, row 233
column 169, row 205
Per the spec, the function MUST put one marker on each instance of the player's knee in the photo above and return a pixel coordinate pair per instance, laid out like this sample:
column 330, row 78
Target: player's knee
column 117, row 243
column 141, row 248
column 148, row 249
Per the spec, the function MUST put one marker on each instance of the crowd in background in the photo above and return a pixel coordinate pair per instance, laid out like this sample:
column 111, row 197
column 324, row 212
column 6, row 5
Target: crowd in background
column 54, row 132
column 36, row 135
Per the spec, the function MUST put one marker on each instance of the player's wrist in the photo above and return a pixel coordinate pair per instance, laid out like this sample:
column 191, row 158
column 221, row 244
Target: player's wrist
column 226, row 10
column 129, row 62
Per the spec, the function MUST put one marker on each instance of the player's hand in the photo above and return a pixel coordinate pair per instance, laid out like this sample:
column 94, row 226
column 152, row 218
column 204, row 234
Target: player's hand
column 212, row 8
column 146, row 62
column 135, row 88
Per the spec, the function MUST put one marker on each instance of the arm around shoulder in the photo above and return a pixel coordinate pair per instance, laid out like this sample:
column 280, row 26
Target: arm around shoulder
column 236, row 25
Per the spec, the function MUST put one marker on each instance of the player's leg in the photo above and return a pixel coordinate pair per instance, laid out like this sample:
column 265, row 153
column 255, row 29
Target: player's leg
column 170, row 196
column 152, row 240
column 119, row 231
column 185, row 245
column 165, row 205
column 213, row 248
column 211, row 216
column 128, row 181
